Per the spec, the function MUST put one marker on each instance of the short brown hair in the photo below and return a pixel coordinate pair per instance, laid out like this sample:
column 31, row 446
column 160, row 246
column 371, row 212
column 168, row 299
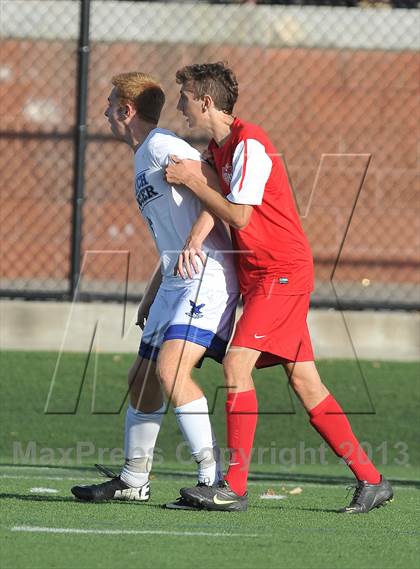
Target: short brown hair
column 143, row 91
column 214, row 79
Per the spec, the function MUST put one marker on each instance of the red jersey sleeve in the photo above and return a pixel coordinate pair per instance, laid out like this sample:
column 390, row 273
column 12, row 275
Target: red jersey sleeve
column 251, row 168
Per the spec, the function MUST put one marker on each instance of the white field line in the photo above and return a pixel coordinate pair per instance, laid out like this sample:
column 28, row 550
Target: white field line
column 270, row 483
column 82, row 479
column 37, row 529
column 40, row 477
column 178, row 473
column 95, row 479
column 263, row 482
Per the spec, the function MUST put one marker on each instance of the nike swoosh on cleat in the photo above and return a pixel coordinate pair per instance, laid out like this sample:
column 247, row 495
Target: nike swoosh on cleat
column 221, row 502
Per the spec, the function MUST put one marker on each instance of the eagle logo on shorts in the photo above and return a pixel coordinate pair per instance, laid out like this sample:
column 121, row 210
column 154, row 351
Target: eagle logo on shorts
column 195, row 310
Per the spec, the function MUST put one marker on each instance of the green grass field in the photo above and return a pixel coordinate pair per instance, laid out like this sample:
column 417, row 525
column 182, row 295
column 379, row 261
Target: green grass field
column 44, row 454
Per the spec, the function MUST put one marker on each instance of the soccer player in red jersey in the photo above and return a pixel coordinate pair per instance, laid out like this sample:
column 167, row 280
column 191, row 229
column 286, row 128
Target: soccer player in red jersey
column 275, row 270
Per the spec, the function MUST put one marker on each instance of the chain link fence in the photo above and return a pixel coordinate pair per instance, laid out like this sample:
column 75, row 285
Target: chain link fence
column 336, row 88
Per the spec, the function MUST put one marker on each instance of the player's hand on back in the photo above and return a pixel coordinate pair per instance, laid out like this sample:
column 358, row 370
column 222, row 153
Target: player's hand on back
column 188, row 259
column 177, row 170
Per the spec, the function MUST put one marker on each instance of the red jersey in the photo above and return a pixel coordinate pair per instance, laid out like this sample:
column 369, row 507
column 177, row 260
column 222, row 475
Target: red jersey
column 275, row 257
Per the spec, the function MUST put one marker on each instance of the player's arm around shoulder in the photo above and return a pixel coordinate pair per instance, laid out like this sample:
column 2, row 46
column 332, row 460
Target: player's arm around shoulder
column 191, row 173
column 203, row 181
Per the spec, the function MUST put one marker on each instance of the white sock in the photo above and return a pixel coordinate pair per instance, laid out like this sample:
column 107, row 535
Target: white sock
column 141, row 431
column 194, row 422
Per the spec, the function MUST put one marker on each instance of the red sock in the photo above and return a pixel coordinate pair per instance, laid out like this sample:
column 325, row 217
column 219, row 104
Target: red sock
column 329, row 420
column 241, row 422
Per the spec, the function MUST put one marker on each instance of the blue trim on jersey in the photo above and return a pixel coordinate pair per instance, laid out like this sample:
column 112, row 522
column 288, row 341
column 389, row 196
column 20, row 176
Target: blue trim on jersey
column 205, row 338
column 148, row 351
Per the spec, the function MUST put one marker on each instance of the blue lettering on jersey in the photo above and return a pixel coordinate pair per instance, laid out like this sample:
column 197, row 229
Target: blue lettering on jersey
column 145, row 192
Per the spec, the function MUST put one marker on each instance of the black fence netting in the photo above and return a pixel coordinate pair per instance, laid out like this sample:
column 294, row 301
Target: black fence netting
column 336, row 88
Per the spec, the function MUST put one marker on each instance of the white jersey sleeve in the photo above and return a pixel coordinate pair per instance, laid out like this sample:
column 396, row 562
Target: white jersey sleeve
column 251, row 168
column 163, row 146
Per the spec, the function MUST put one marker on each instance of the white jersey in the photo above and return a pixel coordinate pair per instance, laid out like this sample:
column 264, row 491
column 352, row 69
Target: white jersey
column 171, row 211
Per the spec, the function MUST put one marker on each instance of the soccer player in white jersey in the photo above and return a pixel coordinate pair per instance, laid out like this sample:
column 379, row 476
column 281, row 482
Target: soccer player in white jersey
column 182, row 321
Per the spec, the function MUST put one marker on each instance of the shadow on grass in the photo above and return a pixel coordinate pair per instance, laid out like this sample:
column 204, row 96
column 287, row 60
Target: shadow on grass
column 317, row 510
column 294, row 508
column 35, row 498
column 71, row 499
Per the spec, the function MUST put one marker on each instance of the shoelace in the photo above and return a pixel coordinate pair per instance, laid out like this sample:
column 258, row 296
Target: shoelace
column 106, row 471
column 357, row 491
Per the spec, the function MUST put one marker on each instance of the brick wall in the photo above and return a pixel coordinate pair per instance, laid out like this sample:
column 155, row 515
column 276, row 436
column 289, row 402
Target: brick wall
column 311, row 102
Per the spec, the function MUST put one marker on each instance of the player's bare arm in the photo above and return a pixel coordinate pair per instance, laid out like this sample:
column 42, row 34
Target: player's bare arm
column 186, row 173
column 148, row 297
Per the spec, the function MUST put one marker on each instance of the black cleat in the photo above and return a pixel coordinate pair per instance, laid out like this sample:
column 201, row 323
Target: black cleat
column 114, row 489
column 180, row 504
column 220, row 498
column 369, row 496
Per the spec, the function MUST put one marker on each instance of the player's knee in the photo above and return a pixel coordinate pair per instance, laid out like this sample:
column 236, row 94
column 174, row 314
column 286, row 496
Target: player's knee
column 232, row 371
column 133, row 376
column 166, row 375
column 139, row 371
column 135, row 383
column 162, row 374
column 305, row 385
column 297, row 383
column 228, row 368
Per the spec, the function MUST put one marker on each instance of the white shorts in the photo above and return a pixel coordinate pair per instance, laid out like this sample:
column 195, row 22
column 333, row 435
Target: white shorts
column 192, row 312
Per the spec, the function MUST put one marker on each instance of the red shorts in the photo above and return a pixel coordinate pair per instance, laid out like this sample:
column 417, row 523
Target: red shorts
column 276, row 326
